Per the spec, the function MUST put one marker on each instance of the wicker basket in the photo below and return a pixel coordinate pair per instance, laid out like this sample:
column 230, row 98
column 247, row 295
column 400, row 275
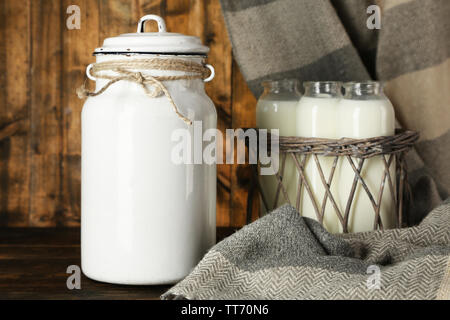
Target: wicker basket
column 355, row 151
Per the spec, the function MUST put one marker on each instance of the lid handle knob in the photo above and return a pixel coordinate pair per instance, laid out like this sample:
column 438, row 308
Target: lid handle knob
column 158, row 19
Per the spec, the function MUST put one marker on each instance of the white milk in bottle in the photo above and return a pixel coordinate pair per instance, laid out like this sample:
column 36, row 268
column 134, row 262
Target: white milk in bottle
column 316, row 117
column 276, row 110
column 366, row 112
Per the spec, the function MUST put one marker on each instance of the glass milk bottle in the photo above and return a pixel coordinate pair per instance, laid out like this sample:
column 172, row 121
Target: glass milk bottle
column 316, row 117
column 146, row 217
column 276, row 110
column 366, row 112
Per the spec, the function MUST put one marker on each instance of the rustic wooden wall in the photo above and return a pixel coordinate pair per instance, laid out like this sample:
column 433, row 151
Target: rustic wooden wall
column 41, row 64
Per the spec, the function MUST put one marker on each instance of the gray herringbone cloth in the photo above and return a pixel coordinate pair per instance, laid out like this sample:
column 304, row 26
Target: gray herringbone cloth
column 285, row 256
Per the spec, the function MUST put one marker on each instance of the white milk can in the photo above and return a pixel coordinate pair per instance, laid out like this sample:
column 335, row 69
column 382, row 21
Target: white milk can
column 147, row 217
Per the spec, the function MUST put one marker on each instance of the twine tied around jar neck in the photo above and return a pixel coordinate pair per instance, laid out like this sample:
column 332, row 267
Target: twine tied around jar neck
column 123, row 72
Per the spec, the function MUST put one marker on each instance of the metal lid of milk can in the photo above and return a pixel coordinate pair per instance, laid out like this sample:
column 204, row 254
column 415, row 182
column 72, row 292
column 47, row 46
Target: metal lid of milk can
column 161, row 42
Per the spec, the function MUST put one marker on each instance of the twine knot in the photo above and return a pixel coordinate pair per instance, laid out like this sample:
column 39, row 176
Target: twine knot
column 139, row 77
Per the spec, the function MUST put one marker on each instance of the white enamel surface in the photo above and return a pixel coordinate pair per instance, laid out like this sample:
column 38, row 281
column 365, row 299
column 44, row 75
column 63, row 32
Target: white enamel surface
column 145, row 220
column 278, row 114
column 153, row 42
column 316, row 117
column 151, row 17
column 364, row 119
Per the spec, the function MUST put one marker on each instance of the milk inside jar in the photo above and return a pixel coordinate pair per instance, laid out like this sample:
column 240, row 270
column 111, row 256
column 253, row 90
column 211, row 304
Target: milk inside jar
column 316, row 117
column 366, row 112
column 276, row 109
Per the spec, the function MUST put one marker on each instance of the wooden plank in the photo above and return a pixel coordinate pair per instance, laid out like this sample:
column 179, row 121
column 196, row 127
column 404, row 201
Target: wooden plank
column 220, row 91
column 78, row 46
column 39, row 236
column 141, row 8
column 39, row 252
column 14, row 112
column 115, row 17
column 176, row 14
column 243, row 116
column 46, row 113
column 60, row 236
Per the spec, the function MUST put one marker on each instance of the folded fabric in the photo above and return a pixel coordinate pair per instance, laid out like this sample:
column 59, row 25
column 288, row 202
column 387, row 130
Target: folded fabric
column 285, row 256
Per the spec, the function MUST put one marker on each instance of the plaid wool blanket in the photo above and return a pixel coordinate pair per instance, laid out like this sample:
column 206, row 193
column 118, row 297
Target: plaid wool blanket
column 330, row 40
column 285, row 256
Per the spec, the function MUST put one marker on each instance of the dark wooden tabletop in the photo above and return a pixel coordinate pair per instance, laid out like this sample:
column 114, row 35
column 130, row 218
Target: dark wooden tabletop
column 33, row 264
